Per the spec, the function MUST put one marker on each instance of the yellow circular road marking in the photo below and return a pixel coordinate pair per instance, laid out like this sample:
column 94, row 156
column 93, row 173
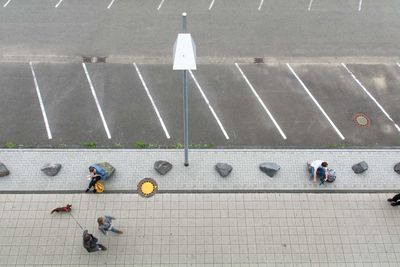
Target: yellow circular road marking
column 147, row 187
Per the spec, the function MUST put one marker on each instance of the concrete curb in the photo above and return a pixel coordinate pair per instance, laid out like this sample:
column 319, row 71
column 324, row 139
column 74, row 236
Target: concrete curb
column 133, row 165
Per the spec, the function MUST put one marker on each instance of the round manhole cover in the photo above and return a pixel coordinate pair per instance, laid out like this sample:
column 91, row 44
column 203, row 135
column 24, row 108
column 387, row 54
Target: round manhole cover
column 147, row 187
column 361, row 120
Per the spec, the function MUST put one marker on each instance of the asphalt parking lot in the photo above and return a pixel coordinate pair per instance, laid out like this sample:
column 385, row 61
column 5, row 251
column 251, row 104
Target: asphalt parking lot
column 221, row 28
column 230, row 105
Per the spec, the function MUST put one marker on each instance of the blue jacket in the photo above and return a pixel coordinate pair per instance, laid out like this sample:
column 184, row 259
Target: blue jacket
column 100, row 171
column 106, row 226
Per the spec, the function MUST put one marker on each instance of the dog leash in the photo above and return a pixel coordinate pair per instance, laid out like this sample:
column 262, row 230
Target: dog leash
column 76, row 221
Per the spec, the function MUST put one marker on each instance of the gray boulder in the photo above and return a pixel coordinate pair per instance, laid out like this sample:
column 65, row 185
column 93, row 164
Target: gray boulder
column 270, row 168
column 360, row 167
column 108, row 168
column 162, row 167
column 51, row 169
column 3, row 170
column 224, row 169
column 396, row 168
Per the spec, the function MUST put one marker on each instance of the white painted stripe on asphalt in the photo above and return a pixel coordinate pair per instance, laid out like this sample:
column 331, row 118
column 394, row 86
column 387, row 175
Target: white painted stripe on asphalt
column 111, row 3
column 315, row 101
column 211, row 5
column 261, row 3
column 151, row 100
column 97, row 101
column 369, row 94
column 6, row 4
column 59, row 2
column 46, row 122
column 261, row 102
column 309, row 5
column 209, row 105
column 359, row 5
column 160, row 5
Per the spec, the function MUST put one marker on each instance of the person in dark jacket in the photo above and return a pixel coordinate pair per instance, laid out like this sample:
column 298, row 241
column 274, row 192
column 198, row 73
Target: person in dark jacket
column 394, row 201
column 90, row 242
column 94, row 177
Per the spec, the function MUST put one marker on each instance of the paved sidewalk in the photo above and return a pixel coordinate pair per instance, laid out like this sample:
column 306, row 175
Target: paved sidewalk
column 203, row 230
column 134, row 165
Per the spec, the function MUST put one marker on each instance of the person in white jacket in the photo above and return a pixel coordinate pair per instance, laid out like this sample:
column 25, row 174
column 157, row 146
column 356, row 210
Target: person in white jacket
column 318, row 168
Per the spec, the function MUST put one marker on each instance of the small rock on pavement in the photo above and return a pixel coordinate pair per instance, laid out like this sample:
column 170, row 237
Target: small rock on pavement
column 162, row 167
column 270, row 168
column 51, row 169
column 396, row 168
column 224, row 169
column 360, row 167
column 3, row 170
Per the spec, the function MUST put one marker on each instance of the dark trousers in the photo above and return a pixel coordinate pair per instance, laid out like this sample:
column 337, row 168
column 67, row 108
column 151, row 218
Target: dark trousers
column 396, row 198
column 94, row 181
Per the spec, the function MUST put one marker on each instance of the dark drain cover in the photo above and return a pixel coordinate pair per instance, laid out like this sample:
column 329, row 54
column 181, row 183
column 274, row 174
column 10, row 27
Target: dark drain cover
column 94, row 59
column 361, row 120
column 258, row 60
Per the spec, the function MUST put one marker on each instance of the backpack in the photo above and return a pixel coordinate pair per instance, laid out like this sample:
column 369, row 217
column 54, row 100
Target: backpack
column 99, row 186
column 331, row 175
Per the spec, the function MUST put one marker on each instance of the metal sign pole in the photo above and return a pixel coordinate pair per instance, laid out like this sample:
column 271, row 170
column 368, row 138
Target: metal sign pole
column 185, row 118
column 184, row 54
column 185, row 104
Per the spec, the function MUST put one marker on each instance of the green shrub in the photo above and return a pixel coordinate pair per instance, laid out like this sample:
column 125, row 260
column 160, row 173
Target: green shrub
column 141, row 144
column 337, row 146
column 200, row 146
column 118, row 145
column 10, row 145
column 178, row 145
column 208, row 146
column 90, row 144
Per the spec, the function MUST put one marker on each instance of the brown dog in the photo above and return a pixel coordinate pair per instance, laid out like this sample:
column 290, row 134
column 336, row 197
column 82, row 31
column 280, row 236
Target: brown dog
column 67, row 208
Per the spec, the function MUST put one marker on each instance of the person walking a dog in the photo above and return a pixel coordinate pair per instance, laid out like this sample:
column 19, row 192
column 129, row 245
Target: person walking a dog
column 90, row 243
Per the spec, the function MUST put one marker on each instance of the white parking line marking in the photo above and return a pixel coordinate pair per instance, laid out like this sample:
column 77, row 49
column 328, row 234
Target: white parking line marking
column 315, row 101
column 97, row 101
column 211, row 5
column 309, row 5
column 359, row 5
column 46, row 122
column 261, row 102
column 111, row 3
column 261, row 3
column 160, row 5
column 151, row 100
column 6, row 3
column 209, row 106
column 368, row 93
column 59, row 2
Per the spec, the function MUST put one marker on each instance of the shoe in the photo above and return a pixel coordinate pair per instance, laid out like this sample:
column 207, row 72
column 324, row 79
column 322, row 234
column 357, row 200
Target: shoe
column 394, row 204
column 87, row 190
column 119, row 232
column 390, row 200
column 102, row 247
column 94, row 191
